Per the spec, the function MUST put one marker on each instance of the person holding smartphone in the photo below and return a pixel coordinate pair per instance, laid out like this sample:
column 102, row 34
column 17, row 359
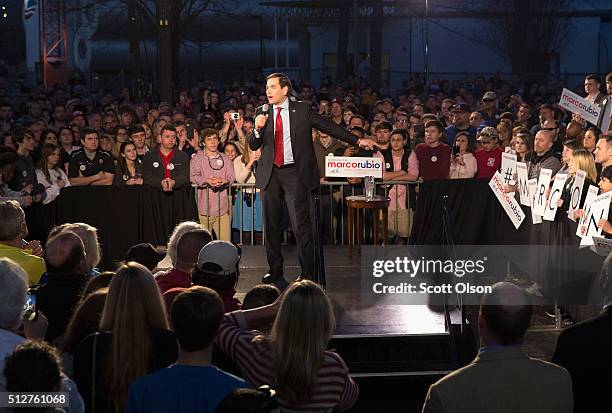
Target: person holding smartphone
column 463, row 163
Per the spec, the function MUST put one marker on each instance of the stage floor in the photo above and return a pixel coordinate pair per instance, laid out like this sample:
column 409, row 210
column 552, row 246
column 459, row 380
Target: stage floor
column 343, row 287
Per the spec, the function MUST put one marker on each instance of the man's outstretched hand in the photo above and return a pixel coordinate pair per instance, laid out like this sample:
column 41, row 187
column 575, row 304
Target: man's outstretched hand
column 366, row 144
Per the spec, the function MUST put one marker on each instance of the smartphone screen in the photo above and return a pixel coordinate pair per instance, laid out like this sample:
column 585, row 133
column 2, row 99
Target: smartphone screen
column 30, row 305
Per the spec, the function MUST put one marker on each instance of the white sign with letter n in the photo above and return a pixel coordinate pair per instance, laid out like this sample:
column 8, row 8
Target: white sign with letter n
column 591, row 195
column 599, row 210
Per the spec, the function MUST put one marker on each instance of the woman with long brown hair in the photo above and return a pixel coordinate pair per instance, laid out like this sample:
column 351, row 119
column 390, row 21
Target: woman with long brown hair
column 133, row 341
column 50, row 173
column 294, row 358
column 85, row 320
column 128, row 167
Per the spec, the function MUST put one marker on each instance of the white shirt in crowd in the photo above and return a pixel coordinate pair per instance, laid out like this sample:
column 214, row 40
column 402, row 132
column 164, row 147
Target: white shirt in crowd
column 52, row 188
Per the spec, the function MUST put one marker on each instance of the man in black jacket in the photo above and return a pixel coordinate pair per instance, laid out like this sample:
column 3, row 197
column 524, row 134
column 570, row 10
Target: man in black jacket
column 66, row 265
column 287, row 170
column 168, row 167
column 584, row 350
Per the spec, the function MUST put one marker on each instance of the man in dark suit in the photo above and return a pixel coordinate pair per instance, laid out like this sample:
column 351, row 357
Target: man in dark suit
column 287, row 170
column 584, row 349
column 502, row 378
column 168, row 167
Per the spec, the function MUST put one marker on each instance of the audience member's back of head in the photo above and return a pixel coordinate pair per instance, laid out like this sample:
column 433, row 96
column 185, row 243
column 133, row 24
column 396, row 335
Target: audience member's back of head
column 218, row 267
column 133, row 300
column 245, row 400
column 189, row 247
column 133, row 309
column 260, row 295
column 176, row 235
column 506, row 312
column 13, row 288
column 196, row 316
column 300, row 333
column 89, row 237
column 65, row 254
column 34, row 366
column 85, row 319
column 97, row 282
column 12, row 219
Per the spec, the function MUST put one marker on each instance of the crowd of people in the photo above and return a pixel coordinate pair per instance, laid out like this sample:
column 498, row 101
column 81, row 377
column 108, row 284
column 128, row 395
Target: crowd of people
column 138, row 338
column 68, row 137
column 141, row 339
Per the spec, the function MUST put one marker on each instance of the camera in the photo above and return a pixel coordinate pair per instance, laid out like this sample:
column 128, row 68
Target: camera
column 234, row 116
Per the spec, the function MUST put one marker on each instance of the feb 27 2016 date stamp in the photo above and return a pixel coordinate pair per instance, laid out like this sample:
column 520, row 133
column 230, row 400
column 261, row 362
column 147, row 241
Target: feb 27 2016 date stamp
column 33, row 399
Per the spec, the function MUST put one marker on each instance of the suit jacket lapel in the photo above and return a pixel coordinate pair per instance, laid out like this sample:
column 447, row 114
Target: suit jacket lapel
column 292, row 124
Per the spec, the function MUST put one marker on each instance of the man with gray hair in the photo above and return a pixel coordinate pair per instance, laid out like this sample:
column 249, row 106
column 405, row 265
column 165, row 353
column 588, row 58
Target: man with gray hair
column 502, row 378
column 13, row 288
column 13, row 229
column 584, row 350
column 177, row 233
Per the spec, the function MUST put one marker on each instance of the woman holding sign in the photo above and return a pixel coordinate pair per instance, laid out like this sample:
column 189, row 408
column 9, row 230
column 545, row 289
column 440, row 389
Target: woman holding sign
column 605, row 184
column 572, row 198
column 568, row 280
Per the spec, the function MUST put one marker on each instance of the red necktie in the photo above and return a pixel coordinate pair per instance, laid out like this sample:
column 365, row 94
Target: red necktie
column 279, row 147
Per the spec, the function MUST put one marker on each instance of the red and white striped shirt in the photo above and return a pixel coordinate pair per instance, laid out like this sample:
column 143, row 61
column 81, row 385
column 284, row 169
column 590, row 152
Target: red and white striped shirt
column 334, row 388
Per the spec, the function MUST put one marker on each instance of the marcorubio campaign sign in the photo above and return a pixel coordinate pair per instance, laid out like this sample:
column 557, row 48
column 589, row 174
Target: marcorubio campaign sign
column 353, row 167
column 507, row 201
column 576, row 104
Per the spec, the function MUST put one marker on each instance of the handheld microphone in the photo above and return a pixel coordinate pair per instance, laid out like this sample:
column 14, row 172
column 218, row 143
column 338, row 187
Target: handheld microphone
column 264, row 111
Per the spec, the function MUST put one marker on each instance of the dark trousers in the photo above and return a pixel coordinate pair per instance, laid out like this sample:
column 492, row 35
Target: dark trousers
column 285, row 185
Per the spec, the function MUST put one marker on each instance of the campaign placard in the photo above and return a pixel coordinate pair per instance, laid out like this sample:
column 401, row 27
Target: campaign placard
column 577, row 104
column 353, row 167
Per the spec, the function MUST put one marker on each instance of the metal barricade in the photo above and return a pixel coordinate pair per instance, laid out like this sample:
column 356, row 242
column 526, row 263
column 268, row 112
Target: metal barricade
column 333, row 214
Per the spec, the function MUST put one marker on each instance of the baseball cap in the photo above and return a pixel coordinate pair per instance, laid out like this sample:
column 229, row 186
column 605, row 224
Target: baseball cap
column 487, row 133
column 222, row 253
column 460, row 107
column 145, row 254
column 489, row 96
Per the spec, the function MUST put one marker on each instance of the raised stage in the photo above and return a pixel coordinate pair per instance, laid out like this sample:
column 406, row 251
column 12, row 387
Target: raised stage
column 385, row 339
